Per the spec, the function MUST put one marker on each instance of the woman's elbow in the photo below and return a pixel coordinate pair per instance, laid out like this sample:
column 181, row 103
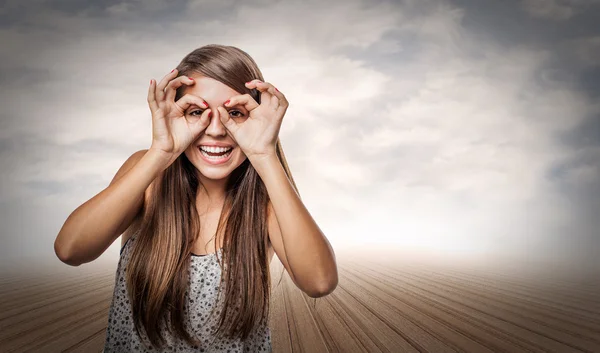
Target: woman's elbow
column 324, row 289
column 64, row 254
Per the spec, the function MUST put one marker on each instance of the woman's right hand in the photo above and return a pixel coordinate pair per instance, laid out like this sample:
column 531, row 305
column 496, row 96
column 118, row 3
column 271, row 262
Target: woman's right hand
column 172, row 130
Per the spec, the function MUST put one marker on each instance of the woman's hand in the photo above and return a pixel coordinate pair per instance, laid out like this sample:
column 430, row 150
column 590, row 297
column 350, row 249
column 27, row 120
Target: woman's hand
column 257, row 135
column 172, row 131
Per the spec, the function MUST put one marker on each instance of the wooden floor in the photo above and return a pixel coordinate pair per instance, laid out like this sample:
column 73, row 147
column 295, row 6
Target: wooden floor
column 378, row 306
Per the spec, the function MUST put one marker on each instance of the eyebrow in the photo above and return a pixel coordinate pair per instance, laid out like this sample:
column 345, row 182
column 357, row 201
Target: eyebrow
column 197, row 106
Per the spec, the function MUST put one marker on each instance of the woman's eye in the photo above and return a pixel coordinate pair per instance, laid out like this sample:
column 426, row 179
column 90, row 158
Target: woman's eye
column 196, row 111
column 238, row 115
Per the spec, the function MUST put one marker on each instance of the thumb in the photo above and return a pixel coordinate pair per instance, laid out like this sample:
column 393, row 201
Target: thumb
column 229, row 123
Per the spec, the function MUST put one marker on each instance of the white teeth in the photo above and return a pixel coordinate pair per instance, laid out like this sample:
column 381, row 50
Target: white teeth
column 214, row 157
column 214, row 149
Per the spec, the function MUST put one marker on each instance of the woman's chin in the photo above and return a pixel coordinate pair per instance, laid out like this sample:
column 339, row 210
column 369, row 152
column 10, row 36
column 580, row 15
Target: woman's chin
column 212, row 174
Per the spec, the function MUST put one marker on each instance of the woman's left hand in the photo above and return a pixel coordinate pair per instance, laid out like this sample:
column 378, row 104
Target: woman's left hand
column 257, row 134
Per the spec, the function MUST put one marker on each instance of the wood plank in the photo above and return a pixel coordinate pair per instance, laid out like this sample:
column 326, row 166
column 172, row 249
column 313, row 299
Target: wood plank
column 380, row 305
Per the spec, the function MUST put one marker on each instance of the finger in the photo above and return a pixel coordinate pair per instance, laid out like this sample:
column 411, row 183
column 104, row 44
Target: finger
column 274, row 102
column 283, row 102
column 244, row 100
column 187, row 100
column 171, row 89
column 252, row 83
column 151, row 97
column 160, row 88
column 267, row 92
column 265, row 95
column 201, row 123
column 282, row 108
column 258, row 85
column 226, row 120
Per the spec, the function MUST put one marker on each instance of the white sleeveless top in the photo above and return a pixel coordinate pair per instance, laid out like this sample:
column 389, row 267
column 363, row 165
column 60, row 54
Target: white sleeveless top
column 204, row 278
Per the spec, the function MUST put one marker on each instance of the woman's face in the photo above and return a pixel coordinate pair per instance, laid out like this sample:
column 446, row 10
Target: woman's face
column 215, row 94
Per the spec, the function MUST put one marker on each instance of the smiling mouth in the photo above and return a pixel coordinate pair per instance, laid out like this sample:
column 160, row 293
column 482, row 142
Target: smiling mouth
column 215, row 154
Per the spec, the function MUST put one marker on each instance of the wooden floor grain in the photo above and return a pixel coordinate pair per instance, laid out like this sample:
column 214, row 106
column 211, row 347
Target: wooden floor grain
column 378, row 306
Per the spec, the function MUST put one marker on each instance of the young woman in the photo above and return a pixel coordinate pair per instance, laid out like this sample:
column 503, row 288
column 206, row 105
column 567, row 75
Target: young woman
column 202, row 212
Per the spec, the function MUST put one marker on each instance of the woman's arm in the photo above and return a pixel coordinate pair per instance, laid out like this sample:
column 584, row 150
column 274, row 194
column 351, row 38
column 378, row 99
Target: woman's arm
column 94, row 226
column 297, row 240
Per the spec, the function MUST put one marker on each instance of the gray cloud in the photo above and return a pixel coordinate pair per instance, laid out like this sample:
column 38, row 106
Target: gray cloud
column 448, row 125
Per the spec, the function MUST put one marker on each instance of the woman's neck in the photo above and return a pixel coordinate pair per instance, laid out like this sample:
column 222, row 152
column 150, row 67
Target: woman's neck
column 211, row 194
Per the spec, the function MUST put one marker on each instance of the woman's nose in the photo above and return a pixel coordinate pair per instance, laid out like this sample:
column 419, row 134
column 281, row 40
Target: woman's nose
column 216, row 127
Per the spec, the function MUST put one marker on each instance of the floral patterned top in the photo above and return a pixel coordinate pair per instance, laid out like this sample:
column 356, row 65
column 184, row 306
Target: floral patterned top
column 204, row 279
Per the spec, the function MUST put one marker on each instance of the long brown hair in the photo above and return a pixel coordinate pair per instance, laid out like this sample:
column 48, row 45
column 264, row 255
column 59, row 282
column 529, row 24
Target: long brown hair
column 157, row 273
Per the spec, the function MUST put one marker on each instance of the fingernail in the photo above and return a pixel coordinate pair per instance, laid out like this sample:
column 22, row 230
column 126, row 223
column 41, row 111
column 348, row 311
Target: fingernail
column 172, row 71
column 206, row 104
column 191, row 78
column 248, row 82
column 276, row 89
column 226, row 102
column 150, row 81
column 210, row 114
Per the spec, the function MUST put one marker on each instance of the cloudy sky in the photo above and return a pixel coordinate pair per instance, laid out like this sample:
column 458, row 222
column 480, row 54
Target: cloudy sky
column 447, row 126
